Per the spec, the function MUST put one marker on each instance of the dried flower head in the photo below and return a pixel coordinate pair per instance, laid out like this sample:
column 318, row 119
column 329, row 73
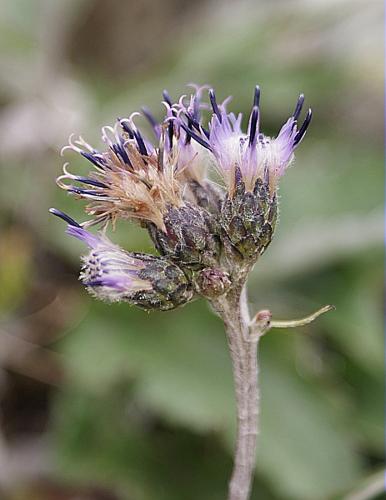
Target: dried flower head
column 205, row 231
column 127, row 181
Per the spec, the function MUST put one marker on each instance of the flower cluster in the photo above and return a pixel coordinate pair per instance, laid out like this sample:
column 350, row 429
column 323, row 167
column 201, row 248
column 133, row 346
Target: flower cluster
column 205, row 232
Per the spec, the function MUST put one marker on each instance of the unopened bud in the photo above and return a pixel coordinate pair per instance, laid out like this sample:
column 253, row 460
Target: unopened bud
column 248, row 219
column 190, row 238
column 212, row 282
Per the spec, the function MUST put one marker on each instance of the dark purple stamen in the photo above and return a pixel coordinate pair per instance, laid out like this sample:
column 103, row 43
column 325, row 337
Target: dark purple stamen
column 63, row 216
column 212, row 97
column 253, row 126
column 90, row 157
column 299, row 136
column 148, row 114
column 126, row 127
column 120, row 151
column 167, row 98
column 140, row 142
column 153, row 122
column 170, row 133
column 256, row 97
column 299, row 106
column 91, row 182
column 197, row 125
column 204, row 131
column 196, row 137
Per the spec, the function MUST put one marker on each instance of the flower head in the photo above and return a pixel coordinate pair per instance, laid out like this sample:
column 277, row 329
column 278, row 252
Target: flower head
column 111, row 274
column 251, row 155
column 127, row 180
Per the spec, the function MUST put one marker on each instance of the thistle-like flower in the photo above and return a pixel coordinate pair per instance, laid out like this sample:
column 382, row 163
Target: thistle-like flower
column 205, row 231
column 208, row 236
column 250, row 165
column 110, row 273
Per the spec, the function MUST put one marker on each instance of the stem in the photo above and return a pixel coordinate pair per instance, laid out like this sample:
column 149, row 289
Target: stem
column 233, row 310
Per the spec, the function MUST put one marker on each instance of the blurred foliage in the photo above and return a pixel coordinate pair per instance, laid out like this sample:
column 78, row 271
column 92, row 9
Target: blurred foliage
column 142, row 405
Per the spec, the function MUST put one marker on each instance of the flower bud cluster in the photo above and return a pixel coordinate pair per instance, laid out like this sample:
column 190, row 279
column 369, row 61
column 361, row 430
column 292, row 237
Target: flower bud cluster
column 207, row 235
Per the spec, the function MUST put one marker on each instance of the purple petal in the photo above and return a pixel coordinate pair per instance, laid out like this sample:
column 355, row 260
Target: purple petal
column 90, row 239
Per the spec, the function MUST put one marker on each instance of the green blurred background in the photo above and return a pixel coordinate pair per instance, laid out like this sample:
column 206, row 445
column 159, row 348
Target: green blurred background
column 106, row 402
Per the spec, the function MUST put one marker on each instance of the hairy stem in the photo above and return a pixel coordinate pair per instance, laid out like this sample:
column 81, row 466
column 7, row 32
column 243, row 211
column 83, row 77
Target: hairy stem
column 233, row 310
